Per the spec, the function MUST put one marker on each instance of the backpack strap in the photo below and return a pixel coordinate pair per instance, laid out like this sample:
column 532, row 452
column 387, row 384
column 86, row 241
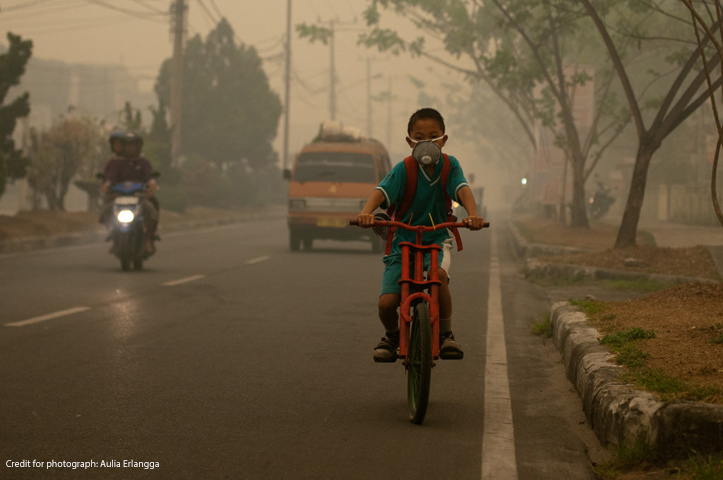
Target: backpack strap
column 410, row 189
column 448, row 200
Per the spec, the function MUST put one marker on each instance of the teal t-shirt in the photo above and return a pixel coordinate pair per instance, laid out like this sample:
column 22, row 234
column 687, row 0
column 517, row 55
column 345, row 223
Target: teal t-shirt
column 428, row 199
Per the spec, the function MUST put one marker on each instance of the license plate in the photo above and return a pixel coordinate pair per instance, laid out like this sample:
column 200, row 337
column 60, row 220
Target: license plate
column 332, row 222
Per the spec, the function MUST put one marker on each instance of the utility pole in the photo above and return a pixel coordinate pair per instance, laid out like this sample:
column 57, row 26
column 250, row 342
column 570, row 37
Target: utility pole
column 23, row 182
column 332, row 75
column 369, row 97
column 287, row 83
column 389, row 115
column 178, row 28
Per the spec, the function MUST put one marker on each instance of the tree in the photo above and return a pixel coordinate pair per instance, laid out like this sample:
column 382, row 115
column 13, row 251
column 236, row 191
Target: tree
column 230, row 115
column 12, row 67
column 527, row 52
column 71, row 147
column 685, row 94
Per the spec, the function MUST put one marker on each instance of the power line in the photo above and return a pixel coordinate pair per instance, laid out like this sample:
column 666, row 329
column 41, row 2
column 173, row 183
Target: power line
column 151, row 8
column 35, row 12
column 132, row 13
column 210, row 20
column 31, row 3
column 215, row 7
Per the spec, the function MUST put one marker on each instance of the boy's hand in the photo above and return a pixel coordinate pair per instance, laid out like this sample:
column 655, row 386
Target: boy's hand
column 474, row 222
column 365, row 219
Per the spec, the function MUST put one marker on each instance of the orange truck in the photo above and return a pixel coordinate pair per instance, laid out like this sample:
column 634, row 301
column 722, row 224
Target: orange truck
column 331, row 179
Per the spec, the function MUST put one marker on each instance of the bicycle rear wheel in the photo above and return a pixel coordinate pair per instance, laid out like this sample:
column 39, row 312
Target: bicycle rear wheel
column 419, row 363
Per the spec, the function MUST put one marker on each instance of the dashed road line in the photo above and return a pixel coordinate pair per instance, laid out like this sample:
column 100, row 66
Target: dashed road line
column 257, row 260
column 49, row 316
column 183, row 280
column 498, row 439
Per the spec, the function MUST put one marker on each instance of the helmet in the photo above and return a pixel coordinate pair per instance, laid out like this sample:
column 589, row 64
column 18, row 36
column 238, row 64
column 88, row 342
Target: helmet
column 133, row 138
column 116, row 134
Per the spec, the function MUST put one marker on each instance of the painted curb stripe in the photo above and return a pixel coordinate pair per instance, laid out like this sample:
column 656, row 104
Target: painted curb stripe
column 498, row 439
column 183, row 280
column 49, row 316
column 257, row 260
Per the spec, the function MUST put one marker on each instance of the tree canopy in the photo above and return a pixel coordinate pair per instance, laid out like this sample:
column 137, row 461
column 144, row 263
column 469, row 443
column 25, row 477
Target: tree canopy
column 533, row 55
column 229, row 115
column 12, row 67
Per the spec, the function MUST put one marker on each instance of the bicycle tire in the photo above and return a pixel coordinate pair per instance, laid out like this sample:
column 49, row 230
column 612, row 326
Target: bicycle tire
column 419, row 363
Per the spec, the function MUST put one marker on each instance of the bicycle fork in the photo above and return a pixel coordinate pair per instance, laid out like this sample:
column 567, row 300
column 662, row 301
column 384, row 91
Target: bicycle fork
column 418, row 284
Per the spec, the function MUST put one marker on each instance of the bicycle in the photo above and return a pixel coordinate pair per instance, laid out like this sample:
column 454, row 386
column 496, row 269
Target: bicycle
column 419, row 313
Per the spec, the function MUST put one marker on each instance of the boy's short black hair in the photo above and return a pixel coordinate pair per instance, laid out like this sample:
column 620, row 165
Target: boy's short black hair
column 423, row 113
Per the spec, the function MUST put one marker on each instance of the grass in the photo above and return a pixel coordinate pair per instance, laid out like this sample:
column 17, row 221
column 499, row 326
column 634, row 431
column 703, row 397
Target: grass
column 637, row 285
column 543, row 328
column 588, row 307
column 639, row 461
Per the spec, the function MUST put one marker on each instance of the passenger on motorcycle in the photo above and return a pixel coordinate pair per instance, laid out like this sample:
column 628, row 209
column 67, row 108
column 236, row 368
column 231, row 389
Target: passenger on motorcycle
column 132, row 166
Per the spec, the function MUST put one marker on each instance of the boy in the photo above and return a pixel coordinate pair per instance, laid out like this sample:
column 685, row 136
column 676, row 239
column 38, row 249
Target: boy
column 425, row 125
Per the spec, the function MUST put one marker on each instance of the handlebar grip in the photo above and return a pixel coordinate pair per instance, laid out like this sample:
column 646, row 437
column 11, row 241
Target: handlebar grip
column 353, row 222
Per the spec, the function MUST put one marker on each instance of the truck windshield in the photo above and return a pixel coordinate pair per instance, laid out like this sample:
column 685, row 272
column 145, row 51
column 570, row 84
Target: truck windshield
column 335, row 167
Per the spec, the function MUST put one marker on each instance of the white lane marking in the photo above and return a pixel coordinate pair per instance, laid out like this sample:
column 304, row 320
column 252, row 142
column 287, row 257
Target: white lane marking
column 498, row 440
column 257, row 260
column 49, row 316
column 183, row 280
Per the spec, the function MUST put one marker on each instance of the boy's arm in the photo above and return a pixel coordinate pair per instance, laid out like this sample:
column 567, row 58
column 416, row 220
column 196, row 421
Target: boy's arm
column 366, row 217
column 466, row 198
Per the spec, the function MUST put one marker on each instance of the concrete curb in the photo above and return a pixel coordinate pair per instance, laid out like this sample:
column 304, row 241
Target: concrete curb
column 524, row 249
column 618, row 414
column 539, row 269
column 27, row 244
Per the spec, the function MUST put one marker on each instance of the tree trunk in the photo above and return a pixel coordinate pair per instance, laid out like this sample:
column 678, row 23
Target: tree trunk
column 579, row 205
column 629, row 226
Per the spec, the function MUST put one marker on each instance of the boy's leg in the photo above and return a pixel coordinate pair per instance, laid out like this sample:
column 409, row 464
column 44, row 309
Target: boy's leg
column 445, row 297
column 388, row 305
column 449, row 349
column 386, row 349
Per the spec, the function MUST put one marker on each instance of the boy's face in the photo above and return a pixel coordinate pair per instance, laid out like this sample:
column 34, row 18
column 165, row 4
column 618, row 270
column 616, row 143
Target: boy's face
column 427, row 129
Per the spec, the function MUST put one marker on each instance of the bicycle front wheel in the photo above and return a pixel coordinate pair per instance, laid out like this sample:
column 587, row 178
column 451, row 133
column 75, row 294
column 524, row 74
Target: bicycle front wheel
column 419, row 363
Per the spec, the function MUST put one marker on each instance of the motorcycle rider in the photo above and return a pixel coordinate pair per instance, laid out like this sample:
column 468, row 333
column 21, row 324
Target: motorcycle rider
column 132, row 166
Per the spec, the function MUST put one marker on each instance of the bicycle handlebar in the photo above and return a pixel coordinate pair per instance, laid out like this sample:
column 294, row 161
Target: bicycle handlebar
column 416, row 228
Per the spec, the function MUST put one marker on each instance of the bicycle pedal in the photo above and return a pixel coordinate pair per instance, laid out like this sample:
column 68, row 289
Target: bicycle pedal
column 451, row 355
column 385, row 360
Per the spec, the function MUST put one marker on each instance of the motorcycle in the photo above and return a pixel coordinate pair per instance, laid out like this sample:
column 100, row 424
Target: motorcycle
column 599, row 204
column 127, row 230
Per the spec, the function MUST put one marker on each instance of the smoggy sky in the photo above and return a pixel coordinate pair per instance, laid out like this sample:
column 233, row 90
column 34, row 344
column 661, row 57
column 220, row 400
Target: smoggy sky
column 135, row 33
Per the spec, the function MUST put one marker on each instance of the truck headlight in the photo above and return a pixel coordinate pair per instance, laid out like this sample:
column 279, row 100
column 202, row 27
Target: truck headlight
column 125, row 216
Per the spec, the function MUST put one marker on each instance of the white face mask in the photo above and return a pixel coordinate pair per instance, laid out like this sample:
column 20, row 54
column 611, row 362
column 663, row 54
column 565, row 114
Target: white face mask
column 426, row 152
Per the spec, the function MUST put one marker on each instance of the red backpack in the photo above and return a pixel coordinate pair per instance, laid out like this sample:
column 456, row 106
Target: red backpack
column 410, row 165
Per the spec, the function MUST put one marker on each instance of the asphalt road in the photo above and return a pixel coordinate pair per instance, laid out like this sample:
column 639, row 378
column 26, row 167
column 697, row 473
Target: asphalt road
column 231, row 357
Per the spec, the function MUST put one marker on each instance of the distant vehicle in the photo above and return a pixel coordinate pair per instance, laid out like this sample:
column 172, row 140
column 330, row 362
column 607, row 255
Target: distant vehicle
column 127, row 232
column 599, row 204
column 329, row 184
column 478, row 193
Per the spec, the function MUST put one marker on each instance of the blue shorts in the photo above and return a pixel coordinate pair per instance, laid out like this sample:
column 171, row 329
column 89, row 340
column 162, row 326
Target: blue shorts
column 393, row 268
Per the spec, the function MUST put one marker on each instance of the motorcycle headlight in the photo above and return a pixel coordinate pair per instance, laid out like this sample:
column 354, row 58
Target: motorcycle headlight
column 125, row 216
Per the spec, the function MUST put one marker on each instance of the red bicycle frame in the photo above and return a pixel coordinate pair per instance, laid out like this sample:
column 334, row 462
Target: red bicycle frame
column 413, row 288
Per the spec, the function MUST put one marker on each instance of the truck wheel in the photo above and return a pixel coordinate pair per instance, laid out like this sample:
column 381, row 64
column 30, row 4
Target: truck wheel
column 308, row 242
column 294, row 241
